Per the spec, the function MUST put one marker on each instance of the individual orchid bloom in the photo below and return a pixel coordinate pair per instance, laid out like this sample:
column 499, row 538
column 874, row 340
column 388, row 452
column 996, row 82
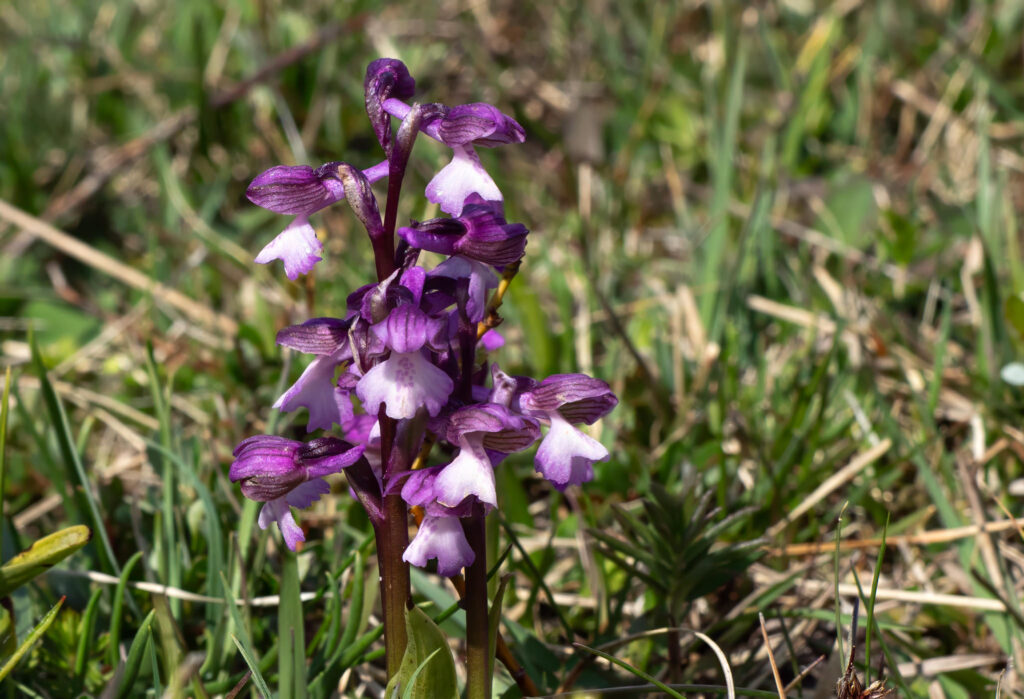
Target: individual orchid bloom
column 566, row 455
column 479, row 233
column 385, row 78
column 302, row 191
column 477, row 429
column 443, row 539
column 480, row 277
column 315, row 389
column 461, row 128
column 406, row 381
column 282, row 473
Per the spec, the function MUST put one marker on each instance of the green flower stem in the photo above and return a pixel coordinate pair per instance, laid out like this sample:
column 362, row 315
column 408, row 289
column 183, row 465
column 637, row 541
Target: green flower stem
column 478, row 656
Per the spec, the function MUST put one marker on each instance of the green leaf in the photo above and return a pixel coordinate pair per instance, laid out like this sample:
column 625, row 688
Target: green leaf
column 136, row 652
column 41, row 556
column 250, row 660
column 4, row 406
column 71, row 460
column 1013, row 309
column 33, row 636
column 85, row 636
column 292, row 658
column 118, row 608
column 8, row 636
column 428, row 669
column 494, row 615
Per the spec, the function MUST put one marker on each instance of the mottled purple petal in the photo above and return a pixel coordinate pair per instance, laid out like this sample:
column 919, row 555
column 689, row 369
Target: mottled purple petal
column 295, row 189
column 263, row 454
column 577, row 397
column 441, row 538
column 320, row 336
column 297, row 246
column 496, row 426
column 463, row 176
column 407, row 329
column 480, row 124
column 319, row 461
column 405, row 383
column 566, row 456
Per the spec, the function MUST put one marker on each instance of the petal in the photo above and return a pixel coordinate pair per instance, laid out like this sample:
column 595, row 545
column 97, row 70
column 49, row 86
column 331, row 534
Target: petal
column 407, row 329
column 297, row 246
column 481, row 279
column 479, row 123
column 263, row 455
column 293, row 190
column 306, row 494
column 492, row 340
column 315, row 336
column 463, row 176
column 316, row 390
column 441, row 538
column 404, row 383
column 418, row 489
column 577, row 397
column 469, row 474
column 495, row 427
column 566, row 456
column 278, row 511
column 385, row 78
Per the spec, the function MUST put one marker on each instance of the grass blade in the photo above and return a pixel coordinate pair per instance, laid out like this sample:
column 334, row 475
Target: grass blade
column 33, row 636
column 67, row 447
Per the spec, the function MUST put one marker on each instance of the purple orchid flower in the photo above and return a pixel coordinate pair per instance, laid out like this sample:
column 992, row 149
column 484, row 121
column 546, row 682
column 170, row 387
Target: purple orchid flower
column 316, row 390
column 302, row 191
column 461, row 128
column 440, row 538
column 566, row 455
column 476, row 429
column 282, row 473
column 406, row 381
column 479, row 233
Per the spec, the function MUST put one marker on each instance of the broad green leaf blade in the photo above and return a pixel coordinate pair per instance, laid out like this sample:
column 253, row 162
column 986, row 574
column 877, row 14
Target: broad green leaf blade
column 136, row 652
column 407, row 694
column 416, row 677
column 41, row 556
column 34, row 636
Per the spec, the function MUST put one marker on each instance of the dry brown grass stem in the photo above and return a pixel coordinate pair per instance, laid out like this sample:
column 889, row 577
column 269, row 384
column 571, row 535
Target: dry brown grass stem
column 118, row 270
column 771, row 658
column 923, row 539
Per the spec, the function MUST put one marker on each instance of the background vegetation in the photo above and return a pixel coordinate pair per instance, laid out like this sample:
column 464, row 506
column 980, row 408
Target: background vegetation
column 787, row 233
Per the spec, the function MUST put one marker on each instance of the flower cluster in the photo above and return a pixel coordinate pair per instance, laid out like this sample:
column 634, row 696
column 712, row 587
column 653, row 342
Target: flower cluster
column 406, row 366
